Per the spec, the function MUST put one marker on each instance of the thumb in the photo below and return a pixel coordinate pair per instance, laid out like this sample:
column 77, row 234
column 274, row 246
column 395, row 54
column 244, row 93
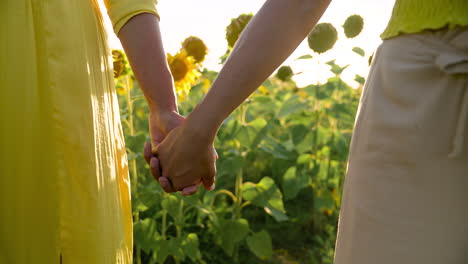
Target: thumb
column 215, row 153
column 155, row 148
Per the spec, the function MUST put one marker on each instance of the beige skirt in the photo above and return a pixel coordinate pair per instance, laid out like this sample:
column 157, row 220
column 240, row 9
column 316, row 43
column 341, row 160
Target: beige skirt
column 405, row 198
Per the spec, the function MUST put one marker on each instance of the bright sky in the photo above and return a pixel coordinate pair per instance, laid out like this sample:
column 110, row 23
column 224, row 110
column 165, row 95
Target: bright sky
column 208, row 19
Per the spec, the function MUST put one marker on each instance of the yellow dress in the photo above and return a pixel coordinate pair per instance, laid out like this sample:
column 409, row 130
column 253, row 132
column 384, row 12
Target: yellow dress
column 64, row 185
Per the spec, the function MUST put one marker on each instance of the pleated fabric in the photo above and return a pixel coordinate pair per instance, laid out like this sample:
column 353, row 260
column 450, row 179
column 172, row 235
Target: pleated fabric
column 406, row 190
column 64, row 184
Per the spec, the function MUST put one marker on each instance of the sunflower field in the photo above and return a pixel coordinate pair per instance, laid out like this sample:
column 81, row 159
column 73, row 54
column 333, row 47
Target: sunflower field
column 282, row 161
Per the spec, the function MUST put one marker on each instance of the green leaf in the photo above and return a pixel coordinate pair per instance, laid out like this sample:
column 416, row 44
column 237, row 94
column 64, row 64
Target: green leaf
column 172, row 204
column 307, row 143
column 190, row 247
column 305, row 57
column 145, row 234
column 175, row 248
column 359, row 51
column 358, row 78
column 149, row 195
column 293, row 182
column 304, row 159
column 229, row 165
column 249, row 134
column 170, row 247
column 232, row 232
column 267, row 195
column 324, row 201
column 135, row 143
column 335, row 68
column 298, row 133
column 275, row 148
column 162, row 250
column 292, row 105
column 260, row 244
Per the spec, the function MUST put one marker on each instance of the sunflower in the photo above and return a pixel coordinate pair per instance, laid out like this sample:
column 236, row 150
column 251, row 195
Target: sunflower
column 322, row 37
column 353, row 26
column 234, row 30
column 120, row 63
column 284, row 73
column 184, row 71
column 196, row 48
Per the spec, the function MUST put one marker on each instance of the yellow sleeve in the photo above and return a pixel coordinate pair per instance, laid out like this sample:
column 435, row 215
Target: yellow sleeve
column 120, row 11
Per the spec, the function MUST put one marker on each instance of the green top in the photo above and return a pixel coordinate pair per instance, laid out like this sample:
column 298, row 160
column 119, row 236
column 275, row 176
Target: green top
column 413, row 16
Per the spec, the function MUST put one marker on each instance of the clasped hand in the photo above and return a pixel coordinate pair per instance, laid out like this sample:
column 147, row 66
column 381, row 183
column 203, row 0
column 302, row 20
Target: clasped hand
column 179, row 158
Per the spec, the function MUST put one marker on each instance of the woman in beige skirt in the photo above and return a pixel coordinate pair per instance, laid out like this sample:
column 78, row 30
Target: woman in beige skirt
column 406, row 191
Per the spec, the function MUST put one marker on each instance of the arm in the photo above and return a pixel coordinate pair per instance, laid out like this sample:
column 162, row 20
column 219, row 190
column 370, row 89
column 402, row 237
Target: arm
column 141, row 40
column 272, row 35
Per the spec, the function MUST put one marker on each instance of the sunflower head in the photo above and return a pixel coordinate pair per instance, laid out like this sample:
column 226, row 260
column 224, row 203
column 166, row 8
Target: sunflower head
column 120, row 63
column 184, row 72
column 236, row 27
column 284, row 73
column 353, row 26
column 196, row 48
column 322, row 37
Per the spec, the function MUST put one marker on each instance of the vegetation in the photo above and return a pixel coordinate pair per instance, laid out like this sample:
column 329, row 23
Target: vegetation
column 282, row 159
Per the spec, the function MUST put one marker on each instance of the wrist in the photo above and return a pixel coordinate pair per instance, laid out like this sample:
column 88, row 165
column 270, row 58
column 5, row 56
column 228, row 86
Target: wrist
column 201, row 126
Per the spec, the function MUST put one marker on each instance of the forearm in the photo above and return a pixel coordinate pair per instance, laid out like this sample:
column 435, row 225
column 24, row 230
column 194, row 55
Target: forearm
column 141, row 40
column 272, row 35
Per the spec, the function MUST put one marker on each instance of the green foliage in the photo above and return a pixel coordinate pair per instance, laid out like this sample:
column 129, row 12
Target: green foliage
column 266, row 195
column 323, row 37
column 359, row 51
column 353, row 26
column 260, row 244
column 232, row 232
column 282, row 159
column 305, row 57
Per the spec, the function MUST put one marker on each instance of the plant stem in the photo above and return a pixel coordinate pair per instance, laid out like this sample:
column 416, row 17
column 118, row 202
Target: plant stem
column 164, row 224
column 179, row 225
column 238, row 208
column 238, row 191
column 132, row 162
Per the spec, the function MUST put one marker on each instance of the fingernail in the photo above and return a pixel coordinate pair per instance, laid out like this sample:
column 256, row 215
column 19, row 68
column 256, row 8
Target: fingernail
column 212, row 187
column 163, row 183
column 153, row 163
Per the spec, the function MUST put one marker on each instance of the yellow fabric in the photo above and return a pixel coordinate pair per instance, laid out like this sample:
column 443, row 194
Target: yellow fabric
column 414, row 16
column 64, row 185
column 120, row 11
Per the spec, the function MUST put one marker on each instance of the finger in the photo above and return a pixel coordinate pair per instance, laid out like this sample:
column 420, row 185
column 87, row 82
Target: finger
column 147, row 152
column 155, row 168
column 166, row 185
column 191, row 189
column 209, row 179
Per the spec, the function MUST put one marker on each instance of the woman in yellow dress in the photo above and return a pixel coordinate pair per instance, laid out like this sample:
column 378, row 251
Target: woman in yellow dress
column 64, row 186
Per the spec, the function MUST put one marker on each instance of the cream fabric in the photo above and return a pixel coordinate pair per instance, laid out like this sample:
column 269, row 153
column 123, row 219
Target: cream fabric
column 406, row 192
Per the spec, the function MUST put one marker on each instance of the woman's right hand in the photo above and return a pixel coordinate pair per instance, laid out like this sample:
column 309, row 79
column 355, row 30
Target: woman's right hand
column 160, row 124
column 187, row 158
